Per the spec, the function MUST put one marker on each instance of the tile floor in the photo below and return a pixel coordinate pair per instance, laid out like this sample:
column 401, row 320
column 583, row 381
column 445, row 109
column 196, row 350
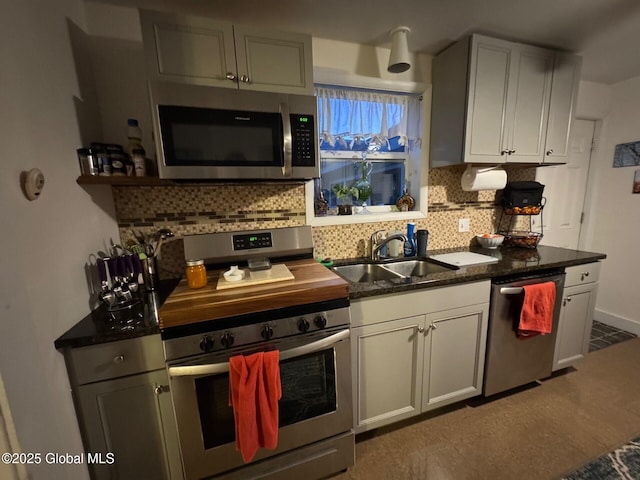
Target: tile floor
column 537, row 433
column 603, row 335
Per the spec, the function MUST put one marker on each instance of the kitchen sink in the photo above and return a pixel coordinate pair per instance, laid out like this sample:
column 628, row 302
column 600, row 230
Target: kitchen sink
column 366, row 272
column 371, row 272
column 416, row 268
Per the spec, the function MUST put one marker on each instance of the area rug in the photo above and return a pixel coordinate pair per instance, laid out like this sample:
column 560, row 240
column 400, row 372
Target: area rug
column 621, row 464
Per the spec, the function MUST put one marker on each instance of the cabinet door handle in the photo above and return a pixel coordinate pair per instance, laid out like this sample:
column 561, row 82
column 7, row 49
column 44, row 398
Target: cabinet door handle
column 584, row 275
column 245, row 79
column 568, row 299
column 433, row 326
column 420, row 330
column 504, row 152
column 511, row 152
column 160, row 389
column 231, row 76
column 550, row 152
column 118, row 359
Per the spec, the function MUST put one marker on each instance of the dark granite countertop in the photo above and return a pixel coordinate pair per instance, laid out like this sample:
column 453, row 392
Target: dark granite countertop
column 512, row 261
column 102, row 325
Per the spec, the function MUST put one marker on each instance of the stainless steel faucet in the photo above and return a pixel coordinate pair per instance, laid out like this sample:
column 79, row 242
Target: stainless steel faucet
column 377, row 244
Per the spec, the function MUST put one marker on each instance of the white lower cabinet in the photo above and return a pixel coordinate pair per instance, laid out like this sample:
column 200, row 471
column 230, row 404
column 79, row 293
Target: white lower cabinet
column 416, row 351
column 454, row 355
column 124, row 409
column 576, row 314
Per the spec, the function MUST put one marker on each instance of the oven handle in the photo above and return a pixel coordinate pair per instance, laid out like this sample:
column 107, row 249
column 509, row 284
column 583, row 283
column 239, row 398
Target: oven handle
column 223, row 367
column 287, row 148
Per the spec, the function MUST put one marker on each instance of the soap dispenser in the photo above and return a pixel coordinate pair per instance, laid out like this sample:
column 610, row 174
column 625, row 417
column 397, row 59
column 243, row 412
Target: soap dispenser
column 410, row 244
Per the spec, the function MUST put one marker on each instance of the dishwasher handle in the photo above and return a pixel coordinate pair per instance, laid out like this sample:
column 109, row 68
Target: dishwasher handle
column 510, row 290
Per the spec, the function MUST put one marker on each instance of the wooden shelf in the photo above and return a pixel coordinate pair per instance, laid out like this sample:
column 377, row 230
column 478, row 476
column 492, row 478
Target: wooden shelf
column 122, row 181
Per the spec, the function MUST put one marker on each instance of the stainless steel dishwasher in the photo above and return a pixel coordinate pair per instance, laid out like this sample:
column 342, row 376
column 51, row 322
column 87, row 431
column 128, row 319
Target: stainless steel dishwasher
column 512, row 361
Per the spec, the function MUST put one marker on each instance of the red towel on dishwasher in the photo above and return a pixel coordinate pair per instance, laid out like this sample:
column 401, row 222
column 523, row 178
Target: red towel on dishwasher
column 255, row 389
column 536, row 316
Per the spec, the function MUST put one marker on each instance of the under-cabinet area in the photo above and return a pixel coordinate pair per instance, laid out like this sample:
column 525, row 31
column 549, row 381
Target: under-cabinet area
column 416, row 351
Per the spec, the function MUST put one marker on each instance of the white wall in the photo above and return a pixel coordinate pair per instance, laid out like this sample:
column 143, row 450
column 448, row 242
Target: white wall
column 367, row 61
column 614, row 217
column 47, row 110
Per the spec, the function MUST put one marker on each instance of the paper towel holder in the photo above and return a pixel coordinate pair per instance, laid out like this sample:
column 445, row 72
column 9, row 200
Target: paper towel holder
column 472, row 172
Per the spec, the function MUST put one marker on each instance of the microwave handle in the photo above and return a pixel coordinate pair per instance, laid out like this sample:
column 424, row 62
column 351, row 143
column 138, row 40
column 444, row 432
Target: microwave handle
column 287, row 148
column 223, row 367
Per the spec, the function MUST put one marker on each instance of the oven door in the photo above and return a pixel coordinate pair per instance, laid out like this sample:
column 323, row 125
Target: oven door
column 316, row 400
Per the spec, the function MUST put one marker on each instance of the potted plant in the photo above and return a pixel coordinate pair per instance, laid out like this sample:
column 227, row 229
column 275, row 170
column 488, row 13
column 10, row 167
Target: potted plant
column 345, row 196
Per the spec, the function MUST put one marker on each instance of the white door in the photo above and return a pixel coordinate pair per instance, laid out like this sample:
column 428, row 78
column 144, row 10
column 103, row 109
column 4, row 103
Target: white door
column 565, row 188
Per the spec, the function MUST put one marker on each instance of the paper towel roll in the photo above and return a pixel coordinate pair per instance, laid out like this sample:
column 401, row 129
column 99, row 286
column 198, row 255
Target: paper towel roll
column 483, row 178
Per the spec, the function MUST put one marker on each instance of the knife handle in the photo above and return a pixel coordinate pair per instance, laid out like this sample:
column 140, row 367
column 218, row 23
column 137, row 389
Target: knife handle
column 102, row 270
column 113, row 268
column 118, row 265
column 129, row 262
column 137, row 264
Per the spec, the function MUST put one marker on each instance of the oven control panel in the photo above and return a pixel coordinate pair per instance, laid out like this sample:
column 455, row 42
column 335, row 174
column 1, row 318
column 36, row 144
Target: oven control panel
column 252, row 240
column 219, row 340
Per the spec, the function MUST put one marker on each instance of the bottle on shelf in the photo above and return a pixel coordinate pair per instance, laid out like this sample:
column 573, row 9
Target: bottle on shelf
column 135, row 149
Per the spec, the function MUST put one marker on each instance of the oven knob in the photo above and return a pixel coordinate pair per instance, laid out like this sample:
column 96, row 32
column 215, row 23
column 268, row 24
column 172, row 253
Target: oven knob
column 206, row 344
column 226, row 339
column 266, row 332
column 303, row 325
column 320, row 321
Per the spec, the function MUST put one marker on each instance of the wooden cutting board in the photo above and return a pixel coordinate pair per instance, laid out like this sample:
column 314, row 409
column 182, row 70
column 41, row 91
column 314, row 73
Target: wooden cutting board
column 277, row 273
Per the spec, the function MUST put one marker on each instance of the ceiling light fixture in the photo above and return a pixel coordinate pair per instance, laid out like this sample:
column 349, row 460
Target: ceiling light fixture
column 399, row 56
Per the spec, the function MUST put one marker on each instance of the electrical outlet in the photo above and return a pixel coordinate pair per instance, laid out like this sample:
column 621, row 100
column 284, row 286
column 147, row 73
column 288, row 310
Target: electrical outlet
column 463, row 225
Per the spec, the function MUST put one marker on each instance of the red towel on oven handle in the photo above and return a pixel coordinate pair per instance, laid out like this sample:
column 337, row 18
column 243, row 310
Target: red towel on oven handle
column 255, row 389
column 536, row 316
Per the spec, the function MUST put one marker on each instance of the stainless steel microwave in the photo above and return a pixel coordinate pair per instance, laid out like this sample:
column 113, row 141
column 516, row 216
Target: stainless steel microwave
column 209, row 133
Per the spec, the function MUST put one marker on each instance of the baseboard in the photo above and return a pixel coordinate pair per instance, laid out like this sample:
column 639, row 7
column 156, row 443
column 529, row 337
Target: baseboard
column 627, row 324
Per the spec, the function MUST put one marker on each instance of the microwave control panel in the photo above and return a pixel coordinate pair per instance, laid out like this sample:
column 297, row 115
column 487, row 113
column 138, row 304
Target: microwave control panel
column 303, row 139
column 251, row 241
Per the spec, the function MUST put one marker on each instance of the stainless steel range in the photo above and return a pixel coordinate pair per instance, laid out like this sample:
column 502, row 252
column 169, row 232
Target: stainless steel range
column 315, row 437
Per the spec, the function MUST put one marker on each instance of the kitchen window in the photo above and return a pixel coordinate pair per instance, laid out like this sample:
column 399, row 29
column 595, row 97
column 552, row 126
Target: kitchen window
column 370, row 149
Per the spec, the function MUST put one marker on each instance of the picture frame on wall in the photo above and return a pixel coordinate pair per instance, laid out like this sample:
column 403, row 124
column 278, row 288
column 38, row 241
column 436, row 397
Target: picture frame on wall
column 636, row 182
column 626, row 155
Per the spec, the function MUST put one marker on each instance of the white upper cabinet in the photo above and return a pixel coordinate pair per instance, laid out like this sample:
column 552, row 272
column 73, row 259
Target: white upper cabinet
column 528, row 100
column 564, row 94
column 203, row 51
column 493, row 102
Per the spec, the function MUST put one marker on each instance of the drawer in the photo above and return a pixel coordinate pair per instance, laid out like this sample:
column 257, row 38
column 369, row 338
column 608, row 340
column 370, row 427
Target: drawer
column 116, row 359
column 382, row 308
column 581, row 274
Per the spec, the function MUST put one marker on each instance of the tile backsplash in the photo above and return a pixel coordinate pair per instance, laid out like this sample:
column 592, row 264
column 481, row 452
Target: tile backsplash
column 209, row 208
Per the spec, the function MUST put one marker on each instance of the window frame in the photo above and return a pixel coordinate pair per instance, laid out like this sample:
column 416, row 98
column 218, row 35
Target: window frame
column 416, row 166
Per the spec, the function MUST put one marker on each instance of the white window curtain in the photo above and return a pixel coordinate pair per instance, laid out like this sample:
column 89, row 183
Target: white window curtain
column 359, row 115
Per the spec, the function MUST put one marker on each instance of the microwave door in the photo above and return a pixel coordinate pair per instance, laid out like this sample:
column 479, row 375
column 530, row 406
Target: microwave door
column 287, row 147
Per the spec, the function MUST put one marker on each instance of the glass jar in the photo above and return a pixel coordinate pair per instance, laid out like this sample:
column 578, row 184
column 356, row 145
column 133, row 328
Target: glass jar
column 196, row 273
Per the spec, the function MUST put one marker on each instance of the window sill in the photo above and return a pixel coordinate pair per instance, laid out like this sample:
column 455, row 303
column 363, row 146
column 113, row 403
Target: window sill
column 357, row 218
